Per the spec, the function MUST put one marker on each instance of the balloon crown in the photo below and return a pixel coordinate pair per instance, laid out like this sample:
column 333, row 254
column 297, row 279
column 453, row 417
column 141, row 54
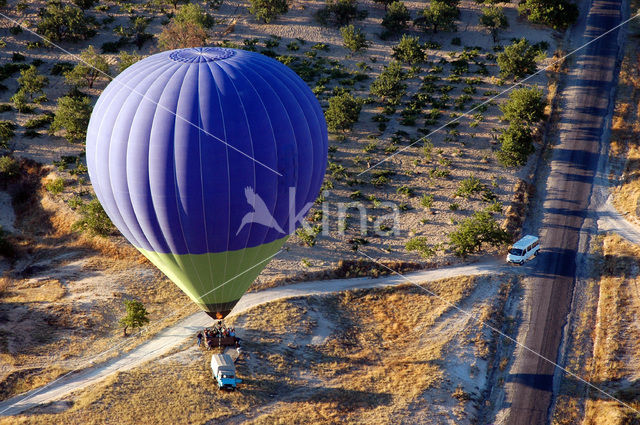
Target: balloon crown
column 201, row 54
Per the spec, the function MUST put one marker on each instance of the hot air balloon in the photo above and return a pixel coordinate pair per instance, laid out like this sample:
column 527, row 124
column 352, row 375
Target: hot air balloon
column 206, row 159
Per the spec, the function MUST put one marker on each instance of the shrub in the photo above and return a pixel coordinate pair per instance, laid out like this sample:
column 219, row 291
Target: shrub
column 72, row 115
column 178, row 35
column 9, row 167
column 389, row 85
column 63, row 23
column 469, row 186
column 558, row 14
column 406, row 191
column 439, row 15
column 516, row 145
column 190, row 13
column 268, row 10
column 55, row 186
column 5, row 107
column 39, row 122
column 353, row 38
column 518, row 59
column 7, row 131
column 59, row 68
column 525, row 105
column 308, row 238
column 93, row 219
column 396, row 18
column 476, row 230
column 494, row 19
column 409, row 50
column 421, row 246
column 6, row 248
column 426, row 201
column 343, row 112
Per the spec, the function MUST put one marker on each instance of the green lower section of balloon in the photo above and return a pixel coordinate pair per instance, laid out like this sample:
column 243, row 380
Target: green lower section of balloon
column 215, row 281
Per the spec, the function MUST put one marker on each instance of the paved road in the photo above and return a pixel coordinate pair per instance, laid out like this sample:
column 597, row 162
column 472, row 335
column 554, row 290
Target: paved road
column 176, row 335
column 573, row 173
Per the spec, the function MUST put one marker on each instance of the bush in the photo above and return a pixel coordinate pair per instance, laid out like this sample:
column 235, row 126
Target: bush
column 420, row 244
column 525, row 105
column 39, row 122
column 31, row 83
column 494, row 19
column 469, row 186
column 194, row 14
column 343, row 112
column 9, row 167
column 516, row 145
column 409, row 50
column 72, row 115
column 353, row 38
column 268, row 10
column 396, row 18
column 55, row 186
column 558, row 14
column 439, row 15
column 63, row 23
column 5, row 107
column 427, row 201
column 93, row 219
column 7, row 131
column 389, row 85
column 476, row 230
column 518, row 59
column 59, row 68
column 181, row 35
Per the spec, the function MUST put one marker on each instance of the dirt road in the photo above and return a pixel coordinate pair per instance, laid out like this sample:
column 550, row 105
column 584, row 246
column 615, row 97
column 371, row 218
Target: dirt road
column 573, row 173
column 176, row 335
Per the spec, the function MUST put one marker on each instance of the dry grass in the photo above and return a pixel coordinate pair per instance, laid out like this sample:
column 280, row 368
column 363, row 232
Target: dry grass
column 616, row 350
column 385, row 358
column 625, row 143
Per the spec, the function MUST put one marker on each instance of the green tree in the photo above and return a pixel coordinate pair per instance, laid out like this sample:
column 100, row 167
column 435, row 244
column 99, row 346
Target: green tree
column 518, row 59
column 353, row 38
column 126, row 60
column 396, row 18
column 136, row 315
column 86, row 72
column 72, row 115
column 439, row 15
column 389, row 86
column 63, row 23
column 525, row 105
column 409, row 50
column 472, row 232
column 194, row 14
column 32, row 83
column 516, row 144
column 268, row 10
column 340, row 12
column 494, row 19
column 343, row 112
column 21, row 102
column 558, row 14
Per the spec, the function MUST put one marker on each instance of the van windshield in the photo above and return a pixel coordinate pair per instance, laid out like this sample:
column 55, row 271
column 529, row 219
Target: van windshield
column 515, row 251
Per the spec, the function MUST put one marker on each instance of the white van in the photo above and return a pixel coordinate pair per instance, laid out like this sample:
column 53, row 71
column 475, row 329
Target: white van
column 524, row 249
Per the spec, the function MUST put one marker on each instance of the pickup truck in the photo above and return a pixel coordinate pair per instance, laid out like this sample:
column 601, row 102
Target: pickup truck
column 224, row 371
